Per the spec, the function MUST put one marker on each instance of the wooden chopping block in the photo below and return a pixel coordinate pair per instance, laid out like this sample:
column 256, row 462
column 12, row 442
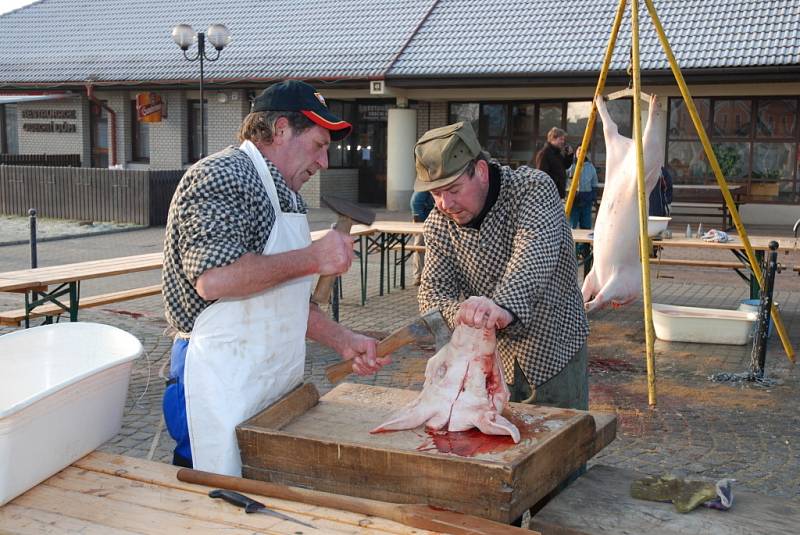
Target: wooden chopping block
column 324, row 444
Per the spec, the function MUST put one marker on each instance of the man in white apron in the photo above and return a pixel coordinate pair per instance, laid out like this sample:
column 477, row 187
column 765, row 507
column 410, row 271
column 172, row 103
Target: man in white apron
column 238, row 269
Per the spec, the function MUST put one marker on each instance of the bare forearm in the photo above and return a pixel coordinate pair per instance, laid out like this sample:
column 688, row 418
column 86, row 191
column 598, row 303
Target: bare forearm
column 324, row 330
column 253, row 273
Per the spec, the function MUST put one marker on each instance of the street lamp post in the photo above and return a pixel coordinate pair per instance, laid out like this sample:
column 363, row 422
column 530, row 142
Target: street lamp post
column 219, row 37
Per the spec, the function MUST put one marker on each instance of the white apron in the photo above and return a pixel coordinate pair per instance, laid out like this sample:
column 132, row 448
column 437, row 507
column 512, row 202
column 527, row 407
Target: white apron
column 246, row 353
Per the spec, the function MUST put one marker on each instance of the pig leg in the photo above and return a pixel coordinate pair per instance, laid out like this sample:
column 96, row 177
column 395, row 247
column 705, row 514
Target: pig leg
column 616, row 286
column 590, row 286
column 616, row 145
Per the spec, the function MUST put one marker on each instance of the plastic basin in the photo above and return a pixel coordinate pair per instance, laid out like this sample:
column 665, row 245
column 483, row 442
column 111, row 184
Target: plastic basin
column 63, row 395
column 702, row 325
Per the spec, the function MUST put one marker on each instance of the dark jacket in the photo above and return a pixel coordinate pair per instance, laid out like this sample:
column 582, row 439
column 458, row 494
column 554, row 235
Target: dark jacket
column 552, row 161
column 661, row 196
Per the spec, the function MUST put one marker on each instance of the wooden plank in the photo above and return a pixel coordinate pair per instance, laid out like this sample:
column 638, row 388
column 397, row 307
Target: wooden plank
column 599, row 502
column 405, row 466
column 127, row 516
column 198, row 506
column 163, row 475
column 24, row 520
column 697, row 263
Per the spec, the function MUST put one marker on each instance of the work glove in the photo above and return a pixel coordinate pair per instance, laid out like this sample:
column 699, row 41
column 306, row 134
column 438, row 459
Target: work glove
column 685, row 495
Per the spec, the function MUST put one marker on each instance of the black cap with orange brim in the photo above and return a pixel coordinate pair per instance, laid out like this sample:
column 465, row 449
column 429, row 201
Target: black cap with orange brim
column 294, row 95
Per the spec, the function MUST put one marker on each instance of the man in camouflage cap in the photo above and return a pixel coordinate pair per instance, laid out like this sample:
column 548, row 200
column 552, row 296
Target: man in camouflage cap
column 500, row 254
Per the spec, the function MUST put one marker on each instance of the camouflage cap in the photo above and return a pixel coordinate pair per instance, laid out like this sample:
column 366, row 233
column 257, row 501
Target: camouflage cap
column 443, row 154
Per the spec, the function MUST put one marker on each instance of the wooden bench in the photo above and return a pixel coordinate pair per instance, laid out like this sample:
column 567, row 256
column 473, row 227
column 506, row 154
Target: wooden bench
column 13, row 318
column 599, row 502
column 697, row 263
column 796, row 269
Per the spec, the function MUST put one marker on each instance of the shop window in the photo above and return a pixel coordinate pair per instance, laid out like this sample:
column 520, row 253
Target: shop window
column 9, row 137
column 468, row 112
column 140, row 137
column 732, row 119
column 198, row 147
column 755, row 141
column 340, row 153
column 523, row 121
column 494, row 130
column 777, row 119
column 550, row 115
column 733, row 159
column 680, row 122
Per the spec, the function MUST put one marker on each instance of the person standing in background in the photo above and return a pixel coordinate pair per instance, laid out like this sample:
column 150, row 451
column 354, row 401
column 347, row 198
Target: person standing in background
column 421, row 206
column 554, row 158
column 581, row 215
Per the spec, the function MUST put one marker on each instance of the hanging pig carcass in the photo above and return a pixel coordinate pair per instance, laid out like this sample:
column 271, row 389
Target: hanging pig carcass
column 616, row 275
column 464, row 388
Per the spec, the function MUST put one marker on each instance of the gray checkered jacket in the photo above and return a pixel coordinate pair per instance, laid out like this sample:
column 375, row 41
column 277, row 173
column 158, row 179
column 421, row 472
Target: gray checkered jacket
column 219, row 212
column 523, row 258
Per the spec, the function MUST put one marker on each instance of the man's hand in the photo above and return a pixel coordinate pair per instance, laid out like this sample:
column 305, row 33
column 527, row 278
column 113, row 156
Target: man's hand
column 362, row 351
column 483, row 313
column 333, row 253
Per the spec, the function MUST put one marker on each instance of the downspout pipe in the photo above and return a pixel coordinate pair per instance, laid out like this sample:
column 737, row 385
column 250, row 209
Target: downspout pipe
column 112, row 116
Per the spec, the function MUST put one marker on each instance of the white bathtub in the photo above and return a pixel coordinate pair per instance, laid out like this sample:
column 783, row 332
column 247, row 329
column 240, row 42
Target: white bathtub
column 702, row 325
column 62, row 394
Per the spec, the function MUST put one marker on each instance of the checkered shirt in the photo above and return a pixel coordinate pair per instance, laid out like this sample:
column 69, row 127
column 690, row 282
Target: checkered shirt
column 219, row 212
column 523, row 258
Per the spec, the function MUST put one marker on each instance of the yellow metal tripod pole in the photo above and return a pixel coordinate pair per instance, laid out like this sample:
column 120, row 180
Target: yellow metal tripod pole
column 723, row 185
column 601, row 83
column 644, row 240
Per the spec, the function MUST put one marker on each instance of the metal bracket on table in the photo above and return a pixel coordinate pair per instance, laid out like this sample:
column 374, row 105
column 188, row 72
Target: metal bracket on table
column 34, row 299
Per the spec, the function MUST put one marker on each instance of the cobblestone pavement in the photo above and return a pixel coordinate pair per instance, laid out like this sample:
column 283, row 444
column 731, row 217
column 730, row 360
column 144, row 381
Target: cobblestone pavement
column 698, row 427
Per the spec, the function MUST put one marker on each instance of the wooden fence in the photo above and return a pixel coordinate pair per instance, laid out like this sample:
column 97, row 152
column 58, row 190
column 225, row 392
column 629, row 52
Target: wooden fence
column 88, row 194
column 48, row 160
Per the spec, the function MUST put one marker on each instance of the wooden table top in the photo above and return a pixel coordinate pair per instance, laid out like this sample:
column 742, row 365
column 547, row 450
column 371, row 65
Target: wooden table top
column 44, row 276
column 112, row 494
column 759, row 243
column 398, row 227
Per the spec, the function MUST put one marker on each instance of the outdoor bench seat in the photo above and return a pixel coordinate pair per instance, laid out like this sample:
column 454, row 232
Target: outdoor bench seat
column 14, row 318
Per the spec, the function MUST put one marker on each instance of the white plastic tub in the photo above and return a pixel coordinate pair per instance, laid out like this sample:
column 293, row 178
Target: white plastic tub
column 702, row 325
column 62, row 394
column 657, row 224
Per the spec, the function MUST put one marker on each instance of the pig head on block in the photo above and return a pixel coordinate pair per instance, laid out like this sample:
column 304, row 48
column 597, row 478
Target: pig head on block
column 616, row 275
column 464, row 388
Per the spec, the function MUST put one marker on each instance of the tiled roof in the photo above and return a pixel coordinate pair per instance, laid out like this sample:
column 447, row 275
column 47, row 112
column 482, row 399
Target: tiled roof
column 529, row 37
column 119, row 40
column 108, row 40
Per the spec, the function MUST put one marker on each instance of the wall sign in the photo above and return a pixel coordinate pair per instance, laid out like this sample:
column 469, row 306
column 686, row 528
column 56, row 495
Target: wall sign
column 62, row 127
column 150, row 108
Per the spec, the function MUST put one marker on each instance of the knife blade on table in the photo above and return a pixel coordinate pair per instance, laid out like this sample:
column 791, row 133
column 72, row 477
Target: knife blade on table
column 252, row 506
